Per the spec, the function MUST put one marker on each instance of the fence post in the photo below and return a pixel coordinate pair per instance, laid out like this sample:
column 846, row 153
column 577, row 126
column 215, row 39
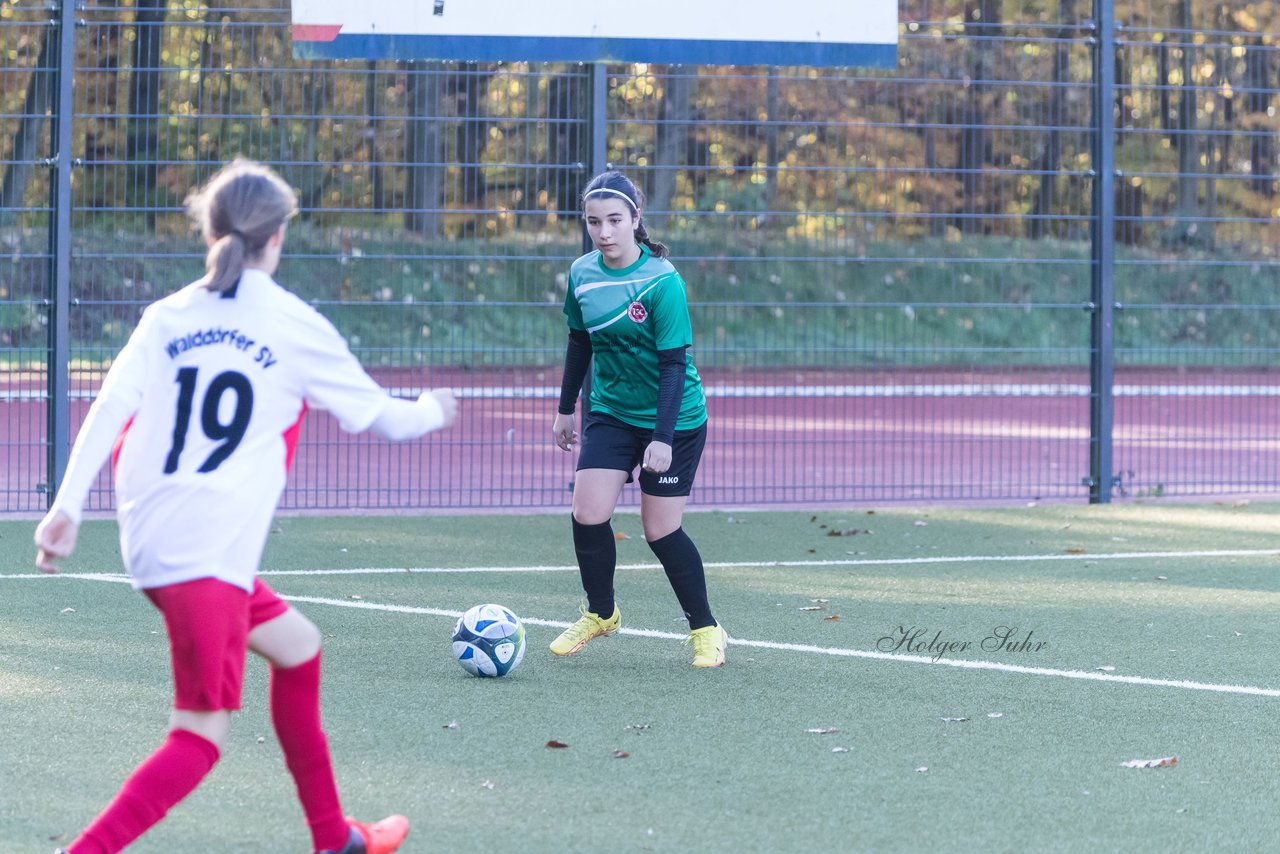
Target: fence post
column 58, row 377
column 597, row 132
column 599, row 141
column 1102, row 276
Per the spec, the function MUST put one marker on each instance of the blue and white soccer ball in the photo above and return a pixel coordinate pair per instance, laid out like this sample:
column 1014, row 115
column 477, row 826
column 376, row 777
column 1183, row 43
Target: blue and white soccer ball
column 488, row 641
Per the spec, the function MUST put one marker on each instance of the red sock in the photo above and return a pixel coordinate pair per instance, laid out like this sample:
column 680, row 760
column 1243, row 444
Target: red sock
column 295, row 713
column 165, row 778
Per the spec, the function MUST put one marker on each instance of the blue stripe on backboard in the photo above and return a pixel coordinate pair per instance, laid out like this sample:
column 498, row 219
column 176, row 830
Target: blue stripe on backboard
column 563, row 49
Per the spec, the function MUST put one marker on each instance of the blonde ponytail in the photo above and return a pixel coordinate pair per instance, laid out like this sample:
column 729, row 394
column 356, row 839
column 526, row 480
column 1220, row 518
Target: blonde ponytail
column 239, row 209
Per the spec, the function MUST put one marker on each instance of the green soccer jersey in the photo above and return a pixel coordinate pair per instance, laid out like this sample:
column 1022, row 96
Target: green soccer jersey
column 630, row 315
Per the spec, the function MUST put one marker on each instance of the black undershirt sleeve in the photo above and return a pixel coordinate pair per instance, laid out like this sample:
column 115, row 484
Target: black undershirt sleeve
column 671, row 374
column 577, row 359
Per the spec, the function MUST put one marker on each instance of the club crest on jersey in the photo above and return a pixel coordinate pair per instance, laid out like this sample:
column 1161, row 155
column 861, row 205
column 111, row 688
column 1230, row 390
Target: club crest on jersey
column 637, row 312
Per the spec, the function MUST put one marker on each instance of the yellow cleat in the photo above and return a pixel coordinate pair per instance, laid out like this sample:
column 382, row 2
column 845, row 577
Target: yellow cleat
column 709, row 643
column 588, row 627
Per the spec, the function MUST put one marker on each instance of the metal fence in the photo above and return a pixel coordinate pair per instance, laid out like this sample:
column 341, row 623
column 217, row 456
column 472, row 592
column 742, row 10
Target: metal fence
column 1032, row 261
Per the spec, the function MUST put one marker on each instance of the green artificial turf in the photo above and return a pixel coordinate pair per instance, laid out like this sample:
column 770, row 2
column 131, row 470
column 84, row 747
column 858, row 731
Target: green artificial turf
column 716, row 761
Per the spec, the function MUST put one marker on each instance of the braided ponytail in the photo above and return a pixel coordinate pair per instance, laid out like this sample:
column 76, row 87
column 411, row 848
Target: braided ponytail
column 657, row 249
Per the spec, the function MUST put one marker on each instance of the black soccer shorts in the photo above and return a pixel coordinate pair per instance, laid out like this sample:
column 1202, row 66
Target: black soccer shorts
column 608, row 443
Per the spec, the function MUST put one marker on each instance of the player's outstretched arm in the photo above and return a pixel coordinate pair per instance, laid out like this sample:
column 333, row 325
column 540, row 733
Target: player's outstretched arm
column 406, row 419
column 448, row 404
column 55, row 539
column 116, row 403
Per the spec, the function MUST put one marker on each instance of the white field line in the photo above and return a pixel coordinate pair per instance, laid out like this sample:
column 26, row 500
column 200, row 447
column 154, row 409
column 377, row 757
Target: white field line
column 1184, row 684
column 839, row 652
column 886, row 561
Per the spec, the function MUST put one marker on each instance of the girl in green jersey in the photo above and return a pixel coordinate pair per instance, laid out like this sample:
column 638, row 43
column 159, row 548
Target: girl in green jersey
column 626, row 308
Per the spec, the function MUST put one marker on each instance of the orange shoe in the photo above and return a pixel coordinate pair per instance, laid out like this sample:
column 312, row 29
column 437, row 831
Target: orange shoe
column 379, row 837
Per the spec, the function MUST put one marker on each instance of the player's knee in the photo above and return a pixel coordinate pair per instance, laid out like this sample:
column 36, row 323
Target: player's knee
column 287, row 641
column 308, row 641
column 213, row 727
column 654, row 531
column 592, row 515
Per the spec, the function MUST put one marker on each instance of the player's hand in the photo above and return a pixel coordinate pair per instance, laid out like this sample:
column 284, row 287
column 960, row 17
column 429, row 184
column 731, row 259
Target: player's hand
column 448, row 404
column 562, row 430
column 657, row 457
column 55, row 538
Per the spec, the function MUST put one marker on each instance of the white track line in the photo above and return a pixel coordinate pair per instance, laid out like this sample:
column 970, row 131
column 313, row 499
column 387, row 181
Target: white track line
column 989, row 389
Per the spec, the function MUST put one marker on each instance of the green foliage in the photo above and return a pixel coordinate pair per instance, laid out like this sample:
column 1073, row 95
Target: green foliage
column 934, row 213
column 777, row 300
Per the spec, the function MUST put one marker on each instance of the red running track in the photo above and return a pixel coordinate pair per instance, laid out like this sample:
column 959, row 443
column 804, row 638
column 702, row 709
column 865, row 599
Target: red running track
column 782, row 437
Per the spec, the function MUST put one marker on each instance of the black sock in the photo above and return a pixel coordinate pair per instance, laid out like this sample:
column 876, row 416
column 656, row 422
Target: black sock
column 683, row 564
column 597, row 558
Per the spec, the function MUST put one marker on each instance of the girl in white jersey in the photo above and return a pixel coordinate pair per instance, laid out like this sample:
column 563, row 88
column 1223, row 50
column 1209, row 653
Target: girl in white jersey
column 204, row 404
column 626, row 309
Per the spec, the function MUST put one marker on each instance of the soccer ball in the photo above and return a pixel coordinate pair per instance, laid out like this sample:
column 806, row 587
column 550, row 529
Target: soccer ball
column 488, row 641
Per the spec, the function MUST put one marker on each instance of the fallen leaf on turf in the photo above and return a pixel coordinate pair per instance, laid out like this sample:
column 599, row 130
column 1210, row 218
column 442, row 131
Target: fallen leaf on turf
column 621, row 535
column 619, row 754
column 453, row 725
column 832, row 617
column 1076, row 551
column 556, row 744
column 955, row 720
column 1162, row 762
column 822, row 730
column 487, row 784
column 839, row 750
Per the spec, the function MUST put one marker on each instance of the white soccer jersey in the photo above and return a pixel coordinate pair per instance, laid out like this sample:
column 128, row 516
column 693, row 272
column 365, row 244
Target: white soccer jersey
column 207, row 392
